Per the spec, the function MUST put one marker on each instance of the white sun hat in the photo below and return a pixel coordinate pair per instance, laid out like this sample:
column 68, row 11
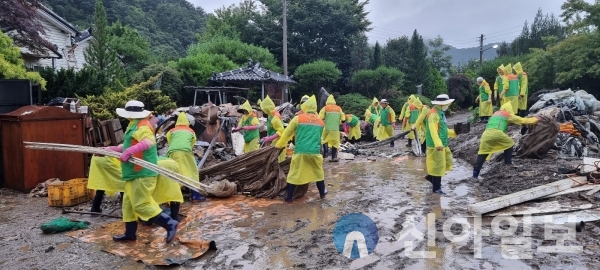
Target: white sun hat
column 442, row 100
column 384, row 101
column 133, row 110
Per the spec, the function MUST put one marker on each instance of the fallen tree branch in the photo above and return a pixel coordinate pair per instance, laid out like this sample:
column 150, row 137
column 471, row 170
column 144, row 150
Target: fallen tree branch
column 383, row 142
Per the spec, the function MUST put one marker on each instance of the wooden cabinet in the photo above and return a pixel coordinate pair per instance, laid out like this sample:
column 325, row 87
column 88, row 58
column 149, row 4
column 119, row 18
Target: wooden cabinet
column 25, row 168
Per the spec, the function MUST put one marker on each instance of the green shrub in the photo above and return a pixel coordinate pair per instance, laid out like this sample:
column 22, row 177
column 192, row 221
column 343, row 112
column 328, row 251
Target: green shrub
column 354, row 103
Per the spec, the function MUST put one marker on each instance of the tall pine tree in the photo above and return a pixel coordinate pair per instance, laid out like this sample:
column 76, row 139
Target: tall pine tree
column 100, row 57
column 376, row 56
column 418, row 66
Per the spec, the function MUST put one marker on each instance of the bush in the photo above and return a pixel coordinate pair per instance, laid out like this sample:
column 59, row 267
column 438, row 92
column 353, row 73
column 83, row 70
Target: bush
column 354, row 103
column 461, row 89
column 312, row 76
column 171, row 83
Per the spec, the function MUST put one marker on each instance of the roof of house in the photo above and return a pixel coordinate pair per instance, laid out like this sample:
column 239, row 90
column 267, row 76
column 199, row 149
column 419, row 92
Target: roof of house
column 253, row 72
column 76, row 35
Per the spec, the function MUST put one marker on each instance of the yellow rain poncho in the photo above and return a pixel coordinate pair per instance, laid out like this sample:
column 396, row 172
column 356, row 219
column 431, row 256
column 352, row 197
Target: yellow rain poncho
column 512, row 94
column 494, row 138
column 333, row 116
column 251, row 137
column 181, row 141
column 402, row 116
column 375, row 107
column 411, row 116
column 274, row 123
column 523, row 86
column 437, row 135
column 501, row 82
column 105, row 174
column 420, row 124
column 485, row 100
column 353, row 124
column 387, row 119
column 307, row 161
column 374, row 120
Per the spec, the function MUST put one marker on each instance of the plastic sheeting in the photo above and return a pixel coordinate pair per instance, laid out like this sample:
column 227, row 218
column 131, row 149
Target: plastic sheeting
column 571, row 146
column 580, row 99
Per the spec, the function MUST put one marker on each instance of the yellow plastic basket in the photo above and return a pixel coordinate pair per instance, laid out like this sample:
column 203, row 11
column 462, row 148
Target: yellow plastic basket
column 69, row 193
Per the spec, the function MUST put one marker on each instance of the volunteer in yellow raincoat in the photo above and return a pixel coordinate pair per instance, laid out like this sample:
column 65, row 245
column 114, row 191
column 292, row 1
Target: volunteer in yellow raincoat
column 501, row 84
column 495, row 139
column 410, row 118
column 512, row 94
column 302, row 100
column 181, row 140
column 485, row 100
column 419, row 126
column 307, row 162
column 374, row 120
column 140, row 182
column 387, row 122
column 374, row 110
column 249, row 125
column 333, row 116
column 352, row 128
column 523, row 93
column 439, row 156
column 274, row 125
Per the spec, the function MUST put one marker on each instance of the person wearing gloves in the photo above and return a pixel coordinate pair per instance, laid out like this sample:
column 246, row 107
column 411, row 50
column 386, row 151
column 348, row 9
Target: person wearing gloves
column 374, row 120
column 181, row 140
column 485, row 100
column 375, row 108
column 307, row 163
column 352, row 128
column 302, row 100
column 512, row 94
column 139, row 142
column 501, row 83
column 410, row 118
column 439, row 157
column 405, row 108
column 495, row 139
column 274, row 125
column 523, row 93
column 419, row 126
column 387, row 122
column 333, row 116
column 249, row 124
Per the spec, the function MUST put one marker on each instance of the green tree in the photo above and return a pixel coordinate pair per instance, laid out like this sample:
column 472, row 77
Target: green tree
column 376, row 56
column 360, row 53
column 418, row 66
column 437, row 55
column 373, row 82
column 170, row 82
column 70, row 83
column 312, row 76
column 236, row 51
column 12, row 65
column 131, row 45
column 353, row 103
column 580, row 14
column 395, row 53
column 438, row 84
column 99, row 56
column 236, row 22
column 201, row 66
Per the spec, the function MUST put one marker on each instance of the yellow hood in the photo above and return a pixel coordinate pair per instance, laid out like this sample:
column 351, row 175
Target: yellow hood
column 417, row 103
column 259, row 101
column 330, row 100
column 246, row 106
column 310, row 105
column 182, row 120
column 304, row 98
column 267, row 106
column 507, row 107
column 500, row 69
column 518, row 68
column 375, row 101
column 508, row 69
column 411, row 99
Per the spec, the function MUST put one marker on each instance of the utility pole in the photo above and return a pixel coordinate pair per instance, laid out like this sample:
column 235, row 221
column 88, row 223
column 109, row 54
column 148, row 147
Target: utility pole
column 285, row 64
column 480, row 49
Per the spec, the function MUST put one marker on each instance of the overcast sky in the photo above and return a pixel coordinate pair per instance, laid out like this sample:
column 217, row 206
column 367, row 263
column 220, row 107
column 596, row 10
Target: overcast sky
column 459, row 22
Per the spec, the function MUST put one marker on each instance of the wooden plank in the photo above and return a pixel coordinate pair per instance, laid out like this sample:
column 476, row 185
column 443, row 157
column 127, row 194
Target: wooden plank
column 589, row 165
column 523, row 196
column 571, row 190
column 593, row 191
column 115, row 131
column 585, row 216
column 540, row 208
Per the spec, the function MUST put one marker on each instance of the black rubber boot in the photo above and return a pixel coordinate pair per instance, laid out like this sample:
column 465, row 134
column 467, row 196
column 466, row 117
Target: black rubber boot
column 174, row 210
column 428, row 178
column 322, row 189
column 168, row 223
column 290, row 192
column 508, row 156
column 437, row 185
column 97, row 202
column 423, row 148
column 478, row 165
column 130, row 232
column 476, row 174
column 334, row 152
column 409, row 144
column 325, row 150
column 392, row 144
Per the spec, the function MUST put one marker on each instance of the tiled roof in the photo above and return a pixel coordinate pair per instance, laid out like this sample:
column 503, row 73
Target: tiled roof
column 252, row 72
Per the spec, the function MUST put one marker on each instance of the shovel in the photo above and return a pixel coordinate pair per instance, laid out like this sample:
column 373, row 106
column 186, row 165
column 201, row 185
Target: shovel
column 417, row 147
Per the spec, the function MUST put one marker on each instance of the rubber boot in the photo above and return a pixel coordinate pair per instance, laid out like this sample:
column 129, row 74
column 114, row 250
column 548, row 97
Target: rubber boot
column 424, row 148
column 290, row 192
column 476, row 174
column 322, row 190
column 130, row 232
column 168, row 223
column 392, row 144
column 97, row 202
column 196, row 197
column 334, row 152
column 437, row 185
column 508, row 156
column 325, row 150
column 175, row 210
column 478, row 165
column 409, row 144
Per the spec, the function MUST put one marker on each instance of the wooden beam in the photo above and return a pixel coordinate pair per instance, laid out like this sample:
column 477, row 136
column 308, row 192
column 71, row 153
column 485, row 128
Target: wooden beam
column 552, row 207
column 589, row 165
column 571, row 190
column 524, row 195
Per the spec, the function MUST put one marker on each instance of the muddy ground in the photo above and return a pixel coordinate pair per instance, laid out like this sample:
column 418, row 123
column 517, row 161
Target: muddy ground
column 300, row 235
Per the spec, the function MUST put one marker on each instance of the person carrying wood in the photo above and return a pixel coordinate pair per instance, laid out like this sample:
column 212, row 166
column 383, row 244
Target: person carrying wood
column 307, row 163
column 387, row 122
column 501, row 84
column 495, row 139
column 333, row 116
column 439, row 157
column 139, row 141
column 419, row 126
column 485, row 100
column 274, row 125
column 181, row 140
column 249, row 125
column 352, row 128
column 410, row 118
column 523, row 93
